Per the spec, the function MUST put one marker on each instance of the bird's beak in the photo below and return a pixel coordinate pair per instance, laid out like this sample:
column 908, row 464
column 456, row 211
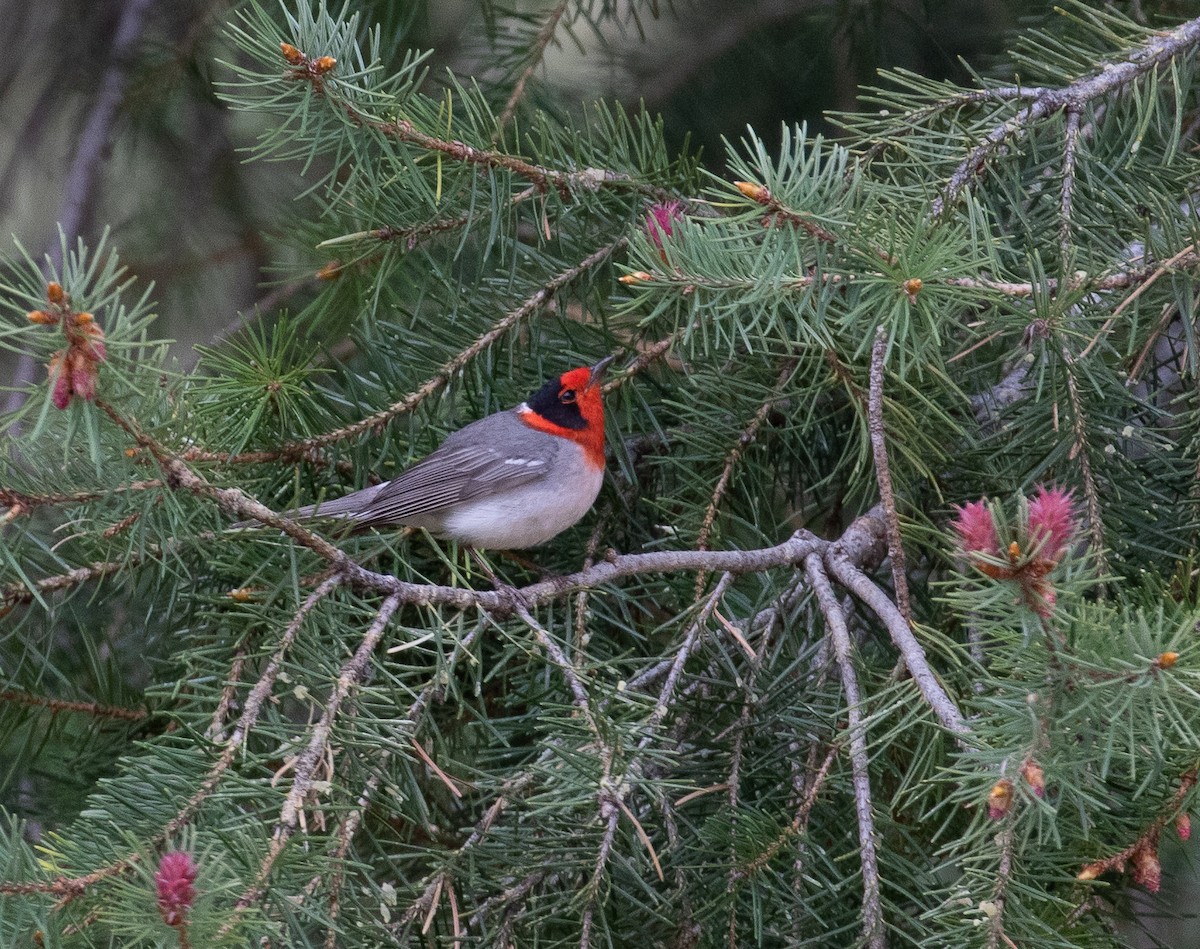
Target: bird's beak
column 598, row 370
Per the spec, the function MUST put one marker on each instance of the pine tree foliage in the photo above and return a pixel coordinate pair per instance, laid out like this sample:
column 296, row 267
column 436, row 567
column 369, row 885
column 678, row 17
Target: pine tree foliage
column 764, row 693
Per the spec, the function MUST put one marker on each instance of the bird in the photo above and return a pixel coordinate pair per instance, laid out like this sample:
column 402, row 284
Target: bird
column 508, row 481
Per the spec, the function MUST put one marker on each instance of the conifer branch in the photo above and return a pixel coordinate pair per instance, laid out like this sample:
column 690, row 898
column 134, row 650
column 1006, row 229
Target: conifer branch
column 747, row 438
column 1113, row 76
column 346, row 832
column 1066, row 196
column 883, row 474
column 1091, row 493
column 611, row 817
column 28, row 501
column 13, row 594
column 93, row 709
column 799, row 821
column 1146, row 845
column 305, row 766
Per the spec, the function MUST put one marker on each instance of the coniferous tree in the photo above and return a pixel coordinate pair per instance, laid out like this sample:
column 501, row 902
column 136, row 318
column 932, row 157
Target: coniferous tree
column 881, row 632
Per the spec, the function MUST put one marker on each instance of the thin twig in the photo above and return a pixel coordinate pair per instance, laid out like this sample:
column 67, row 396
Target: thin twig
column 747, row 438
column 1091, row 493
column 536, row 52
column 1070, row 153
column 305, row 766
column 1000, row 891
column 611, row 818
column 94, row 709
column 883, row 474
column 799, row 821
column 874, row 933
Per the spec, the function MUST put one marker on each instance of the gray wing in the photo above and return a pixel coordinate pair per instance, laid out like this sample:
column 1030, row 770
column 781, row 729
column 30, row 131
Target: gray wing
column 468, row 464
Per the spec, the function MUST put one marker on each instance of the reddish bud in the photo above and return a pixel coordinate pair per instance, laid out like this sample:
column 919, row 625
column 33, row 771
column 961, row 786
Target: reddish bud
column 1032, row 772
column 55, row 293
column 173, row 881
column 1000, row 799
column 331, row 271
column 61, row 380
column 659, row 220
column 83, row 374
column 1183, row 825
column 41, row 317
column 92, row 343
column 1147, row 871
column 912, row 287
column 323, row 65
column 1051, row 521
column 976, row 530
column 291, row 55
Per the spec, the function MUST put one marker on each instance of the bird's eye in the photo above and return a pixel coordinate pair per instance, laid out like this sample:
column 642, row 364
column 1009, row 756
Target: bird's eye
column 567, row 396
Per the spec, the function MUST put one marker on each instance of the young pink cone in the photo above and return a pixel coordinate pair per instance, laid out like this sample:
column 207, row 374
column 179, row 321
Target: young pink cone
column 659, row 221
column 1052, row 521
column 176, row 874
column 976, row 530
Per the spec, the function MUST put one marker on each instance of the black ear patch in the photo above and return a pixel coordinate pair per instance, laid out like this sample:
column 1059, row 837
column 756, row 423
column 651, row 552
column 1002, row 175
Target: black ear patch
column 558, row 405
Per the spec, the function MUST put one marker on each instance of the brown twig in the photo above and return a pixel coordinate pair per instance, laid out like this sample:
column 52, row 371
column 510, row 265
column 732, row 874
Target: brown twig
column 747, row 438
column 611, row 817
column 874, row 934
column 12, row 594
column 1066, row 196
column 1091, row 493
column 1148, row 837
column 94, row 709
column 883, row 474
column 305, row 767
column 536, row 52
column 996, row 932
column 799, row 821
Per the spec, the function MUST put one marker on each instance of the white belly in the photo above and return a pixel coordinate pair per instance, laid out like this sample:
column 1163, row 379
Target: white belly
column 523, row 517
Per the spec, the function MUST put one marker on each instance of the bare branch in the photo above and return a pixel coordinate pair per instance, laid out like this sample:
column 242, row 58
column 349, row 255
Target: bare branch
column 1110, row 77
column 883, row 474
column 849, row 576
column 835, row 622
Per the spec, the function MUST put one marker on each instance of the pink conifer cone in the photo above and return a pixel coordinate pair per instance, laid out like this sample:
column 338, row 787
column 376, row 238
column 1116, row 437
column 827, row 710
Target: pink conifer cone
column 659, row 221
column 174, row 879
column 1051, row 521
column 976, row 530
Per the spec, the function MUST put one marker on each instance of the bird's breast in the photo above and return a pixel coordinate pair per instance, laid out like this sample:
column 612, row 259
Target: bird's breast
column 530, row 514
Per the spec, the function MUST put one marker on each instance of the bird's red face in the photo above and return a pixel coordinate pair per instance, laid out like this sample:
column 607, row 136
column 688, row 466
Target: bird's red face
column 572, row 406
